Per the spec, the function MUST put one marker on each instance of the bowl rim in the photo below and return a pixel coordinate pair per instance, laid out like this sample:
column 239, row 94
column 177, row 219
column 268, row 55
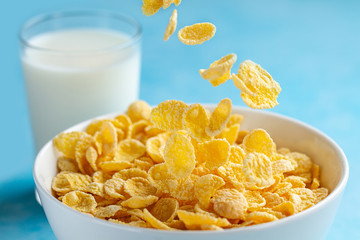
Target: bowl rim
column 332, row 195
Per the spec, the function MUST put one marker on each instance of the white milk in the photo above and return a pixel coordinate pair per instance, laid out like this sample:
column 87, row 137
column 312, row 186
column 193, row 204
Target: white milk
column 75, row 82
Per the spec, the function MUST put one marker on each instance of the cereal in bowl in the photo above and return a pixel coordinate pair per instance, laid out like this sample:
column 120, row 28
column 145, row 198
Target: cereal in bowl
column 181, row 167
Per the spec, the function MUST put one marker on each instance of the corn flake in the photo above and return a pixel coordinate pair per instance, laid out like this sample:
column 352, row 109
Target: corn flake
column 219, row 71
column 154, row 222
column 150, row 7
column 195, row 120
column 197, row 33
column 257, row 171
column 193, row 219
column 139, row 186
column 258, row 88
column 168, row 115
column 80, row 201
column 170, row 29
column 139, row 201
column 206, row 186
column 165, row 209
column 179, row 156
column 219, row 117
column 230, row 203
column 214, row 153
column 258, row 140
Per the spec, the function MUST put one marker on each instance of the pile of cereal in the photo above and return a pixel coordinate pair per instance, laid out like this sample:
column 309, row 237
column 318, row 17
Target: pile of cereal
column 182, row 167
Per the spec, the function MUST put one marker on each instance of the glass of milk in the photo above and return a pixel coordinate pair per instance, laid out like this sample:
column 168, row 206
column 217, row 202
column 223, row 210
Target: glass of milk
column 78, row 65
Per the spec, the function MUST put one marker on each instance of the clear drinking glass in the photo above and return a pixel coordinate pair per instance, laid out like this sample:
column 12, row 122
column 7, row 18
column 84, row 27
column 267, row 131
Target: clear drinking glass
column 77, row 65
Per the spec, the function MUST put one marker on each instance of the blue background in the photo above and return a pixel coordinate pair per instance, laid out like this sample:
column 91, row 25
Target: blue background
column 312, row 48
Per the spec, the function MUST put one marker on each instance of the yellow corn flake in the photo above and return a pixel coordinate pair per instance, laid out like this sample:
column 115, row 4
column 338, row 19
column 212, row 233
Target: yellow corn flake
column 150, row 7
column 83, row 144
column 152, row 131
column 304, row 163
column 126, row 174
column 139, row 201
column 168, row 115
column 179, row 156
column 91, row 156
column 214, row 153
column 210, row 227
column 67, row 164
column 154, row 222
column 237, row 155
column 241, row 135
column 219, row 71
column 230, row 133
column 261, row 217
column 258, row 89
column 230, row 203
column 219, row 118
column 171, row 27
column 195, row 120
column 139, row 186
column 68, row 181
column 197, row 33
column 315, row 184
column 100, row 177
column 193, row 219
column 254, row 199
column 232, row 172
column 115, row 188
column 320, row 194
column 308, row 198
column 206, row 186
column 80, row 201
column 143, row 163
column 282, row 166
column 282, row 188
column 235, row 118
column 153, row 146
column 124, row 122
column 257, row 171
column 287, row 208
column 160, row 177
column 114, row 166
column 96, row 188
column 258, row 140
column 296, row 181
column 96, row 125
column 108, row 211
column 315, row 170
column 272, row 199
column 129, row 149
column 137, row 130
column 66, row 143
column 185, row 189
column 139, row 110
column 177, row 2
column 165, row 209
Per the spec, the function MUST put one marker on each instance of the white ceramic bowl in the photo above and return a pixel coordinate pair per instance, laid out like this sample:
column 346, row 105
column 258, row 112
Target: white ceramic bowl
column 312, row 223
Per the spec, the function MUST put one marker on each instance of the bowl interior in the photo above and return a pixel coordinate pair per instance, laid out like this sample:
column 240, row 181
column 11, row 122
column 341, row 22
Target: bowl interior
column 285, row 131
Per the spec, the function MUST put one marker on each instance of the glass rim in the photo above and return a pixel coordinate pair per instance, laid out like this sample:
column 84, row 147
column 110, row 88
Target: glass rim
column 72, row 13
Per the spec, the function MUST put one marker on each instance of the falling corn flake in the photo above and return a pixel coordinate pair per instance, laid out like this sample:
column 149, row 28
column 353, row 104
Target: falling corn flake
column 258, row 89
column 171, row 27
column 150, row 7
column 160, row 168
column 219, row 71
column 197, row 33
